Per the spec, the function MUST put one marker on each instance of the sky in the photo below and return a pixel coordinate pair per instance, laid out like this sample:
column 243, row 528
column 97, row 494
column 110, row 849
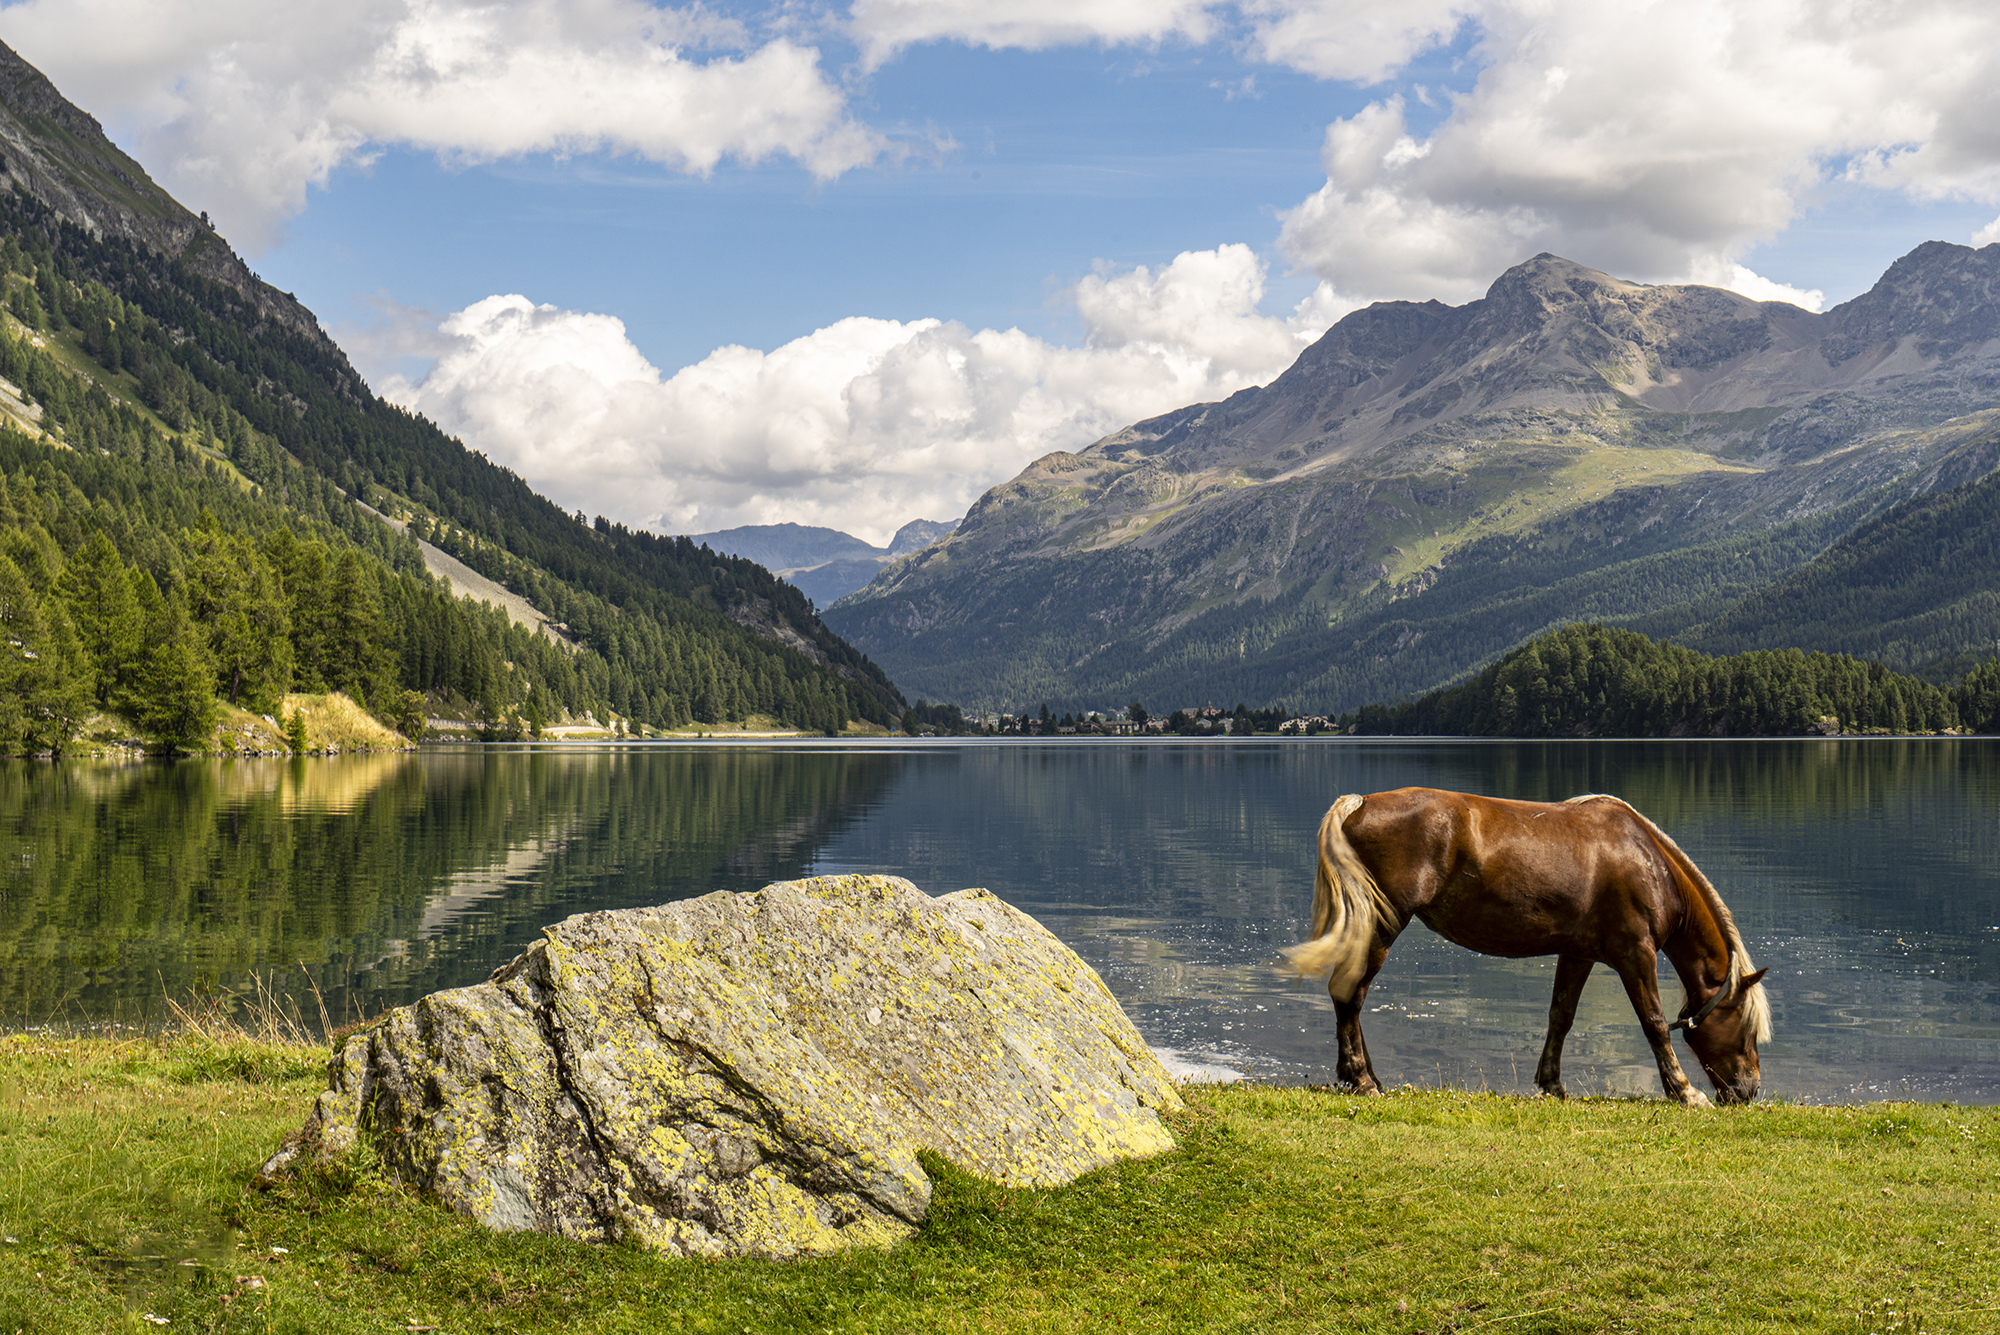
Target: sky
column 852, row 264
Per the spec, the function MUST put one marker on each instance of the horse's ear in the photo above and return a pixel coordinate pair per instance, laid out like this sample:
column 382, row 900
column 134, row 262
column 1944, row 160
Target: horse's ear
column 1751, row 980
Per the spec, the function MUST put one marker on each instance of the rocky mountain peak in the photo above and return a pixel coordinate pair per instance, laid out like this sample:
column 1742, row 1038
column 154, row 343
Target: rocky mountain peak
column 1551, row 283
column 1943, row 293
column 1563, row 304
column 918, row 534
column 26, row 89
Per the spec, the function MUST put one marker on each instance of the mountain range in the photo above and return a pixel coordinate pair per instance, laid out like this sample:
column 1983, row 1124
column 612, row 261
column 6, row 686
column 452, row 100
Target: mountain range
column 1430, row 485
column 168, row 411
column 1427, row 487
column 825, row 564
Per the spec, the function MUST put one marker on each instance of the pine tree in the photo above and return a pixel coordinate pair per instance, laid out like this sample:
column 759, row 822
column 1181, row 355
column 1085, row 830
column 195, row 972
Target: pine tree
column 302, row 568
column 233, row 592
column 1978, row 698
column 98, row 589
column 355, row 661
column 55, row 690
column 175, row 702
column 27, row 308
column 20, row 628
column 407, row 715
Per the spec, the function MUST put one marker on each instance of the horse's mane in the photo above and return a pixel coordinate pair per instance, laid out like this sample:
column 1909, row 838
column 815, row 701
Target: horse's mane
column 1756, row 1006
column 1347, row 906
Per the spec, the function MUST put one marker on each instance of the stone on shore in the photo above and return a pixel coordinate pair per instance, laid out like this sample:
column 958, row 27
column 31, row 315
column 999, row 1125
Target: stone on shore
column 751, row 1074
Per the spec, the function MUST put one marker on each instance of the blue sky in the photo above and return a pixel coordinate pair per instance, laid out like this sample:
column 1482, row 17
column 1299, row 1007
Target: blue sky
column 851, row 264
column 1061, row 160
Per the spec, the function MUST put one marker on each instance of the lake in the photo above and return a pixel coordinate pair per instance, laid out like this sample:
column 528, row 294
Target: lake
column 1862, row 872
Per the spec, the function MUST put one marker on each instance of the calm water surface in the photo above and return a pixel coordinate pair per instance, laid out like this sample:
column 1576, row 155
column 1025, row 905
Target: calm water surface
column 1861, row 872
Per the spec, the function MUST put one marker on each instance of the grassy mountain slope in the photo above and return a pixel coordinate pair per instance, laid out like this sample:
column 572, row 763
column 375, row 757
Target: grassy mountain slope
column 141, row 338
column 1429, row 485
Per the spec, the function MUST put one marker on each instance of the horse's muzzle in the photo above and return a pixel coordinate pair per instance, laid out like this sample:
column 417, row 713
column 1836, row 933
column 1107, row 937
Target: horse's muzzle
column 1742, row 1092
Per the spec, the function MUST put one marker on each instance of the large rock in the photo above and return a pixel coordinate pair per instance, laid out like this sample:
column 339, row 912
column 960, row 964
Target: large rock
column 753, row 1073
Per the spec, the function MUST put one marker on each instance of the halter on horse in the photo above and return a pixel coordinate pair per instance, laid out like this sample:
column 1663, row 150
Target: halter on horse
column 1588, row 880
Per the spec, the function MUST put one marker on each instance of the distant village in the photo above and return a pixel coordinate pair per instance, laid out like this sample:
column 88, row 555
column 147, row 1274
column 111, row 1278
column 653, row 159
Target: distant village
column 927, row 720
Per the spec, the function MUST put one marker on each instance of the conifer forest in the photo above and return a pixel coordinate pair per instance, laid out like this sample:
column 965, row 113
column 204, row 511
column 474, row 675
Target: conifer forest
column 192, row 507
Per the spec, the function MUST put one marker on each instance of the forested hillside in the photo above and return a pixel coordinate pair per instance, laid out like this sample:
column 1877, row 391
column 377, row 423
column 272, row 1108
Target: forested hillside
column 1600, row 681
column 177, row 526
column 1912, row 588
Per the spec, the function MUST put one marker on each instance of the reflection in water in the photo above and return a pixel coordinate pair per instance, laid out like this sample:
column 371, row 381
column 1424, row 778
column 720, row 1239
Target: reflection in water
column 380, row 877
column 1860, row 871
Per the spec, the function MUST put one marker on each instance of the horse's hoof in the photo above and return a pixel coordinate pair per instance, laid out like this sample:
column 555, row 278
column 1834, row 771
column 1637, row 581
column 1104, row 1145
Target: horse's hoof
column 1555, row 1090
column 1694, row 1098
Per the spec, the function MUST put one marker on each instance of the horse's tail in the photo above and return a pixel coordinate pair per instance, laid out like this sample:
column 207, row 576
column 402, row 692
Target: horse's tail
column 1756, row 1006
column 1347, row 908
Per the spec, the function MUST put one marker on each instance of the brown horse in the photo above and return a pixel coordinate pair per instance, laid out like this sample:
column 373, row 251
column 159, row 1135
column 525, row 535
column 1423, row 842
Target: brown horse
column 1586, row 880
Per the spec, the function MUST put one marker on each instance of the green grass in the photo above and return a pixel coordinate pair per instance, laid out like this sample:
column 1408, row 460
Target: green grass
column 125, row 1191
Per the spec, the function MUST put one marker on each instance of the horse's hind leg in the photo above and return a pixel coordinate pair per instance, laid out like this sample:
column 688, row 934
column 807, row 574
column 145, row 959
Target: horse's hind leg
column 1571, row 975
column 1354, row 1068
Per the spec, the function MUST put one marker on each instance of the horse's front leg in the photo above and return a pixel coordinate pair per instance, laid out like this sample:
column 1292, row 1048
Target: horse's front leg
column 1642, row 985
column 1571, row 974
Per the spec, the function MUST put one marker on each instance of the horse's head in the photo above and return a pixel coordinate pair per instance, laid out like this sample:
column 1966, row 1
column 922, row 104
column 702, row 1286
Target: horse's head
column 1725, row 1041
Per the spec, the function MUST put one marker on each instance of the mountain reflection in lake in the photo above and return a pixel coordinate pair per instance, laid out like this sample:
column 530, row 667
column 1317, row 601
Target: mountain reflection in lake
column 1861, row 872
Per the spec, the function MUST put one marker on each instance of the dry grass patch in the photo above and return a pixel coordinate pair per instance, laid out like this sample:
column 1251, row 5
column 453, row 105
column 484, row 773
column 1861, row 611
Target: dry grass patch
column 335, row 723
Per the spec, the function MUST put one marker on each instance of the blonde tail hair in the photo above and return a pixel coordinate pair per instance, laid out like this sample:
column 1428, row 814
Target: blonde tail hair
column 1756, row 1006
column 1347, row 908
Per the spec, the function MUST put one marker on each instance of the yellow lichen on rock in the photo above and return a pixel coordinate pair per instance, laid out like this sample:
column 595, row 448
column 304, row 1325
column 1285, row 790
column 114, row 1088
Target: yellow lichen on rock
column 755, row 1074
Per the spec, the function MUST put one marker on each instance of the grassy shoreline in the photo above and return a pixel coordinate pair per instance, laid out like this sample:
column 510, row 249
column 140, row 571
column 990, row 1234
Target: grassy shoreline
column 125, row 1193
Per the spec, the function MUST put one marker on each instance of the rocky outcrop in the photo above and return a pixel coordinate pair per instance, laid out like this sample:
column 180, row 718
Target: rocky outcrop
column 751, row 1074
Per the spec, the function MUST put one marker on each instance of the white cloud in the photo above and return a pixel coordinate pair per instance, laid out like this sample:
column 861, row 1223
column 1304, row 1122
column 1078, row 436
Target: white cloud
column 860, row 426
column 399, row 339
column 240, row 106
column 1660, row 140
column 1657, row 141
column 1715, row 271
column 1987, row 235
column 1363, row 41
column 884, row 27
